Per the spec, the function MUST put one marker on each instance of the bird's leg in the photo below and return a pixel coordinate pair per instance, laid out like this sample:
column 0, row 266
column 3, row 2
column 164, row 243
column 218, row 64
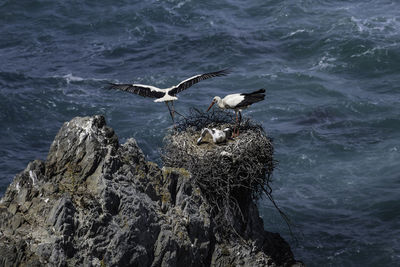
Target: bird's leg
column 172, row 108
column 240, row 120
column 234, row 130
column 237, row 124
column 174, row 111
column 170, row 113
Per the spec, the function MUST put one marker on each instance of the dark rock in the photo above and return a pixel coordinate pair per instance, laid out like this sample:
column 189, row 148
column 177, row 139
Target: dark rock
column 94, row 202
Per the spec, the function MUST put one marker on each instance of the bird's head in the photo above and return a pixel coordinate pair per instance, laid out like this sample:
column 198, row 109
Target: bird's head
column 216, row 99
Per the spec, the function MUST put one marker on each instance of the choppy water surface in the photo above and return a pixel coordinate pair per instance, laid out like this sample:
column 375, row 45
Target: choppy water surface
column 332, row 74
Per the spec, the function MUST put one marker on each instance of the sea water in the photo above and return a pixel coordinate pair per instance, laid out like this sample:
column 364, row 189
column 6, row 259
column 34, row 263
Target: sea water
column 331, row 70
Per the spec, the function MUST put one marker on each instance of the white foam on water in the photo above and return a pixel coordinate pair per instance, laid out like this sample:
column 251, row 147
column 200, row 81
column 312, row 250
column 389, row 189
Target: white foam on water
column 71, row 78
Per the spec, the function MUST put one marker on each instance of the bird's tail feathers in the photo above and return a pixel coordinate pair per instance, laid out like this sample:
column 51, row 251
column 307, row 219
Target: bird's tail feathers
column 111, row 85
column 260, row 91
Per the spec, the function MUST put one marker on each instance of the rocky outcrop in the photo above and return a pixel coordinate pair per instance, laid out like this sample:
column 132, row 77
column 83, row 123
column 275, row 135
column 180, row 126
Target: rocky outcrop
column 94, row 202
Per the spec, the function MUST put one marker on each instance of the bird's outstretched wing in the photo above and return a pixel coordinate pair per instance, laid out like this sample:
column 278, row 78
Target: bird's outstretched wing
column 195, row 79
column 139, row 89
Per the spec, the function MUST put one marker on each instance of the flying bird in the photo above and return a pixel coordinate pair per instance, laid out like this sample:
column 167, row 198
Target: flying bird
column 166, row 95
column 238, row 102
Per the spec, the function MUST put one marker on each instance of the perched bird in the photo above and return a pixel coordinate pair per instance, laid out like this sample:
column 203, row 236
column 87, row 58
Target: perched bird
column 168, row 94
column 218, row 136
column 238, row 102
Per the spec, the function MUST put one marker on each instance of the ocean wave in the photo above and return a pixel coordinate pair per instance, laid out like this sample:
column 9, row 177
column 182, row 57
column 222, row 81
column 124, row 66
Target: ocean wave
column 331, row 70
column 13, row 79
column 325, row 62
column 70, row 78
column 298, row 32
column 376, row 25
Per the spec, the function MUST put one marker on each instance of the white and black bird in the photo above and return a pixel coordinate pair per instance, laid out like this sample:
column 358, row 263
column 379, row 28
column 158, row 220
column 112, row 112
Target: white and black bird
column 166, row 95
column 238, row 102
column 218, row 136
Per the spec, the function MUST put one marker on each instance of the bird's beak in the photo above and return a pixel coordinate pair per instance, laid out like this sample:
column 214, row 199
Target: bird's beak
column 212, row 103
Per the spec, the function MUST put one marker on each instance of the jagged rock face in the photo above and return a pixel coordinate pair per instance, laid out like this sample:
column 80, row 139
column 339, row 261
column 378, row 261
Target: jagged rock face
column 94, row 202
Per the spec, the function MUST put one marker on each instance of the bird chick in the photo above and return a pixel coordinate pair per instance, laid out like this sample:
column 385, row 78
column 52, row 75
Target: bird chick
column 218, row 136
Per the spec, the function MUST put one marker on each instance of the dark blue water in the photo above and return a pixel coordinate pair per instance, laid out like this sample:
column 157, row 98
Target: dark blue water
column 332, row 74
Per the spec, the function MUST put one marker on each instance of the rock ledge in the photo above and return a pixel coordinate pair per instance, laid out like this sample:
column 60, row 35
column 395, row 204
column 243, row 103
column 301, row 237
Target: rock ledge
column 94, row 202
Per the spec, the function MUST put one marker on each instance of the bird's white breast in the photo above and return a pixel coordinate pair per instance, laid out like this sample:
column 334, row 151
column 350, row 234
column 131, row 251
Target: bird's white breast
column 166, row 98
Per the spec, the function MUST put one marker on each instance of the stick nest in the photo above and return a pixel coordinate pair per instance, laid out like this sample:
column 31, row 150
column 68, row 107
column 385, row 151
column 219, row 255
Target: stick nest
column 229, row 174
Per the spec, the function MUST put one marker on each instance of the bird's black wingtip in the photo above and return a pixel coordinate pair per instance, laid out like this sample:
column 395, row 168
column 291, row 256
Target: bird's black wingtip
column 225, row 71
column 111, row 85
column 221, row 72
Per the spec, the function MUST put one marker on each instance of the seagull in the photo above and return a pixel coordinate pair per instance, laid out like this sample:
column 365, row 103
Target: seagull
column 218, row 136
column 168, row 94
column 238, row 102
